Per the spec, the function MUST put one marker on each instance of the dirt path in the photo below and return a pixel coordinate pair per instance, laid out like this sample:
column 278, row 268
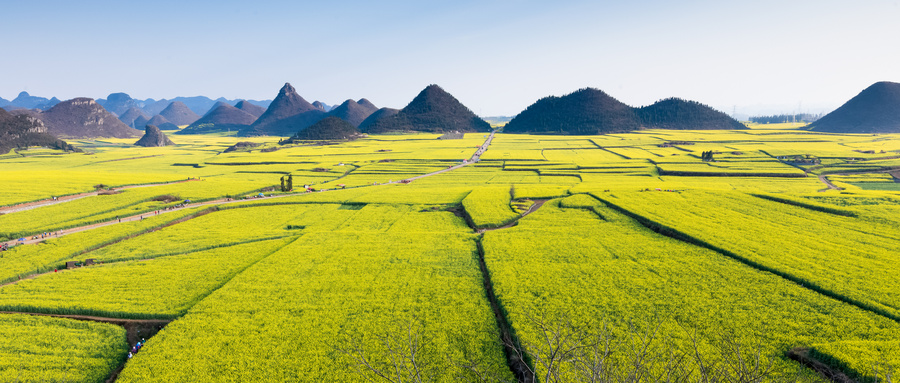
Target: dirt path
column 537, row 205
column 73, row 197
column 137, row 217
column 135, row 330
column 32, row 276
column 475, row 158
column 827, row 183
column 894, row 173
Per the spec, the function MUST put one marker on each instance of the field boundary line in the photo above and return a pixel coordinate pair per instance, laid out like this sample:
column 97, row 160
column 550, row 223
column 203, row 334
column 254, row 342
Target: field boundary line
column 684, row 237
column 34, row 273
column 534, row 207
column 202, row 297
column 516, row 358
column 156, row 256
column 227, row 200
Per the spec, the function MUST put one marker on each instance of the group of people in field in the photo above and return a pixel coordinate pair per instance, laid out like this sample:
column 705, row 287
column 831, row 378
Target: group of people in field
column 47, row 234
column 136, row 348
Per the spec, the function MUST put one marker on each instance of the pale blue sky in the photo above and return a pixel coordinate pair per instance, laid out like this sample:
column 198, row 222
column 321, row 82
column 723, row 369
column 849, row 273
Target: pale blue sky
column 497, row 57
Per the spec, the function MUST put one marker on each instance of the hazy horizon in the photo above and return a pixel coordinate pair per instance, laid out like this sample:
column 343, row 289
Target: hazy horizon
column 496, row 57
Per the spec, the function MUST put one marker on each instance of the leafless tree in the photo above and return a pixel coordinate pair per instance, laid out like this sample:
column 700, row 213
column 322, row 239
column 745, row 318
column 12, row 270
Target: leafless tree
column 568, row 352
column 393, row 356
column 560, row 350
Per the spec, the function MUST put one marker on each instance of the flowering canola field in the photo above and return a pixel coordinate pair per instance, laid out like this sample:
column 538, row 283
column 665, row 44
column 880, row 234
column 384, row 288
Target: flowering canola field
column 362, row 274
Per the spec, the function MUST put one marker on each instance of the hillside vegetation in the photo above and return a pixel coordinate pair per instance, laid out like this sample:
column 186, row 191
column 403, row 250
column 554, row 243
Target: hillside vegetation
column 433, row 110
column 586, row 111
column 329, row 128
column 874, row 110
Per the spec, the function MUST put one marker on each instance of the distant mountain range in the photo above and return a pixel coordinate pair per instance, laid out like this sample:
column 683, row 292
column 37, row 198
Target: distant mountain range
column 874, row 110
column 179, row 114
column 287, row 114
column 160, row 122
column 587, row 111
column 290, row 113
column 134, row 115
column 323, row 106
column 27, row 101
column 223, row 117
column 118, row 103
column 591, row 111
column 354, row 112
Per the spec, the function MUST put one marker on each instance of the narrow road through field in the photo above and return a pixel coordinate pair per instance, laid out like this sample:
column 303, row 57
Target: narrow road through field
column 137, row 217
column 475, row 158
column 893, row 172
column 47, row 202
column 827, row 183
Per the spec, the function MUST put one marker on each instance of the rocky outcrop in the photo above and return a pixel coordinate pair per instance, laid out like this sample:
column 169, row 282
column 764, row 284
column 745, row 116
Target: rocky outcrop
column 23, row 130
column 153, row 137
column 84, row 118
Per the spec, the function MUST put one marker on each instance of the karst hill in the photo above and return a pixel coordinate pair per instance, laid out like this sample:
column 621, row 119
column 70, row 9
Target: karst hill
column 591, row 111
column 432, row 110
column 287, row 114
column 874, row 110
